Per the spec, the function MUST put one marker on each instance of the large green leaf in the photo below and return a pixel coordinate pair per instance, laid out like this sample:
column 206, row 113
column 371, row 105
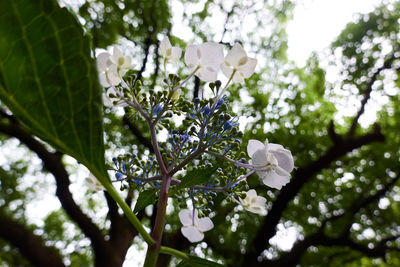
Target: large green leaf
column 48, row 78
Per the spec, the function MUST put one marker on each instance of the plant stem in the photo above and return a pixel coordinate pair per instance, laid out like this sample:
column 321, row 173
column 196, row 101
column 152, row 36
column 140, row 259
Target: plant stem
column 154, row 250
column 156, row 148
column 174, row 252
column 127, row 210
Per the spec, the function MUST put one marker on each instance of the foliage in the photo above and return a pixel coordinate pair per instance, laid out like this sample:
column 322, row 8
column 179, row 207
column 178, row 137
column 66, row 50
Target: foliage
column 342, row 201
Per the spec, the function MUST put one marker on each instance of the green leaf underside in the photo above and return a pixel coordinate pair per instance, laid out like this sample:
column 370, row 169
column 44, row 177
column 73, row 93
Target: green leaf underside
column 49, row 80
column 198, row 262
column 145, row 198
column 196, row 177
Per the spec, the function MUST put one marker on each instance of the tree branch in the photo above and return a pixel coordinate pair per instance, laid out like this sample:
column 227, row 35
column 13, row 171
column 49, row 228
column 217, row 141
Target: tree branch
column 196, row 87
column 52, row 162
column 367, row 94
column 320, row 239
column 31, row 246
column 142, row 139
column 146, row 50
column 294, row 256
column 301, row 176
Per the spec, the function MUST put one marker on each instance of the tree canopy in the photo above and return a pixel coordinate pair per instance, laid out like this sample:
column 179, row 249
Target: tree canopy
column 343, row 199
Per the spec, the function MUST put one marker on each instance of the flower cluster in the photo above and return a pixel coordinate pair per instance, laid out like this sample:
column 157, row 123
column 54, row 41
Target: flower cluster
column 207, row 141
column 207, row 59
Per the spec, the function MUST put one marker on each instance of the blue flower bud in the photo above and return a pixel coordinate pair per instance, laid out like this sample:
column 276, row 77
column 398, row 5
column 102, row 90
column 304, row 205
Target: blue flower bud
column 157, row 109
column 228, row 126
column 206, row 110
column 219, row 103
column 118, row 175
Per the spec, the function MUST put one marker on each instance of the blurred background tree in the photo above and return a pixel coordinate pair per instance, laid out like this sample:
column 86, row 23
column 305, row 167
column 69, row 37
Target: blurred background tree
column 343, row 201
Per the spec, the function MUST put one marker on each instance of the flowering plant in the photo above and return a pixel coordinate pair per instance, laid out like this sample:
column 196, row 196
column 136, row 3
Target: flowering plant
column 202, row 156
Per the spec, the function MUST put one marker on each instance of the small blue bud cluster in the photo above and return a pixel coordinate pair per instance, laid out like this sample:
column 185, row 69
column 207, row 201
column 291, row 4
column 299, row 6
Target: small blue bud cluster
column 130, row 170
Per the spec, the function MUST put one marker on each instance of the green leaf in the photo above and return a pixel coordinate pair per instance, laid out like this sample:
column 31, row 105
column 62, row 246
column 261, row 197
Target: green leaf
column 147, row 197
column 198, row 262
column 49, row 81
column 196, row 177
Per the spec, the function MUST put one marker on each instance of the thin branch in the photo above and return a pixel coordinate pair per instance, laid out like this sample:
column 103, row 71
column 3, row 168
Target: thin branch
column 140, row 137
column 146, row 50
column 367, row 94
column 320, row 239
column 196, row 87
column 343, row 239
column 228, row 16
column 31, row 246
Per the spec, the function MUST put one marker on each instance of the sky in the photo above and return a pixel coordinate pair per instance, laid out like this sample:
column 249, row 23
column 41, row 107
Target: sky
column 316, row 24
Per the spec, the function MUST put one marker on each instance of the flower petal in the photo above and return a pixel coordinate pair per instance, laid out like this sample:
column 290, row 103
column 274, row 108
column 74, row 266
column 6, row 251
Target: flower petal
column 238, row 78
column 192, row 56
column 236, row 56
column 285, row 159
column 176, row 53
column 272, row 179
column 204, row 224
column 253, row 146
column 261, row 210
column 248, row 68
column 260, row 158
column 116, row 55
column 207, row 74
column 226, row 70
column 112, row 76
column 103, row 80
column 185, row 217
column 127, row 63
column 251, row 193
column 260, row 201
column 102, row 59
column 212, row 55
column 164, row 46
column 192, row 233
column 272, row 146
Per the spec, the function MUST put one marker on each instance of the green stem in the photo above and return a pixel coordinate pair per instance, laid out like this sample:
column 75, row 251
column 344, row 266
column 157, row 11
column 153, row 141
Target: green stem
column 174, row 252
column 128, row 212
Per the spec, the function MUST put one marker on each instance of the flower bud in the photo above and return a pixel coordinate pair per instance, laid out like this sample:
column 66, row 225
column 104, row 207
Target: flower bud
column 175, row 95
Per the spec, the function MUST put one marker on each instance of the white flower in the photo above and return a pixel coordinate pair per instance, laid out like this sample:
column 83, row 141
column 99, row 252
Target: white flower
column 112, row 67
column 274, row 163
column 254, row 203
column 193, row 227
column 93, row 184
column 207, row 57
column 169, row 52
column 238, row 60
